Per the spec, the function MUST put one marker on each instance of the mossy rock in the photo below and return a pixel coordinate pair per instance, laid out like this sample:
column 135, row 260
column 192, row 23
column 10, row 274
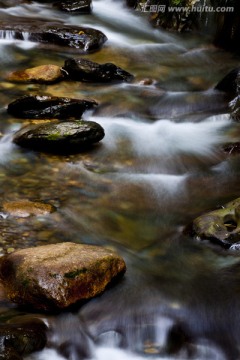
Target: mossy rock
column 221, row 226
column 60, row 137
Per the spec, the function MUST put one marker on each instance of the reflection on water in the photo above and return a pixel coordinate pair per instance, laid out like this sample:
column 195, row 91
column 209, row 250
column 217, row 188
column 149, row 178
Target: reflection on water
column 159, row 166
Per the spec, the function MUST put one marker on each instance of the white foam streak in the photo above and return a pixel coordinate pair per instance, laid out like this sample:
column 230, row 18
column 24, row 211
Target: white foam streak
column 165, row 137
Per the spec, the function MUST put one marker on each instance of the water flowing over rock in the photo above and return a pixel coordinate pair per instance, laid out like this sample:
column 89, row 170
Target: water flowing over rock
column 56, row 276
column 42, row 74
column 75, row 7
column 60, row 137
column 49, row 107
column 86, row 70
column 221, row 226
column 84, row 39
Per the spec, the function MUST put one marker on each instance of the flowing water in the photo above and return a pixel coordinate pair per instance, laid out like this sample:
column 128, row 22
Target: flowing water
column 159, row 166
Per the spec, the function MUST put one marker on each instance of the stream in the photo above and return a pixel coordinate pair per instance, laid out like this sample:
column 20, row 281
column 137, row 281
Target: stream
column 160, row 165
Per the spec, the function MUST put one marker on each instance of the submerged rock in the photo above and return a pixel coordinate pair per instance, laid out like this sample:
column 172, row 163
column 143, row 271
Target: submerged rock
column 75, row 7
column 17, row 340
column 55, row 276
column 25, row 208
column 221, row 226
column 42, row 74
column 49, row 107
column 60, row 137
column 86, row 70
column 84, row 39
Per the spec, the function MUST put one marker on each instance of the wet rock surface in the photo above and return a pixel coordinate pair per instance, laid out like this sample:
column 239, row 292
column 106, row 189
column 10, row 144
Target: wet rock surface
column 56, row 276
column 75, row 7
column 43, row 74
column 60, row 137
column 220, row 226
column 84, row 39
column 19, row 339
column 25, row 208
column 229, row 83
column 86, row 70
column 49, row 107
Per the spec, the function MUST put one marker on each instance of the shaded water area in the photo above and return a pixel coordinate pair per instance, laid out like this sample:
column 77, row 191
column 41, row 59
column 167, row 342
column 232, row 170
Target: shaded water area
column 160, row 165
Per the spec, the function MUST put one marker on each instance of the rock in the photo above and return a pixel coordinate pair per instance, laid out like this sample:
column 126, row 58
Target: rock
column 43, row 74
column 84, row 39
column 75, row 7
column 235, row 108
column 22, row 339
column 49, row 107
column 25, row 208
column 9, row 354
column 60, row 137
column 229, row 83
column 86, row 70
column 220, row 226
column 55, row 276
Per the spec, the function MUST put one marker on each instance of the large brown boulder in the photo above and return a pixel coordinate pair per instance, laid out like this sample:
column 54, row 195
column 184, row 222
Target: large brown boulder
column 56, row 276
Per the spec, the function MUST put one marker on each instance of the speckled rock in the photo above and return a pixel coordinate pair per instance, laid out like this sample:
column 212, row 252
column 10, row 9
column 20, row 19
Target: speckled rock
column 56, row 276
column 25, row 208
column 49, row 107
column 60, row 137
column 43, row 74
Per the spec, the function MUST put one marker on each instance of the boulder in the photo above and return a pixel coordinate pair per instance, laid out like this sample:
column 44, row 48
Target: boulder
column 221, row 226
column 25, row 208
column 84, row 39
column 60, row 137
column 56, row 276
column 49, row 107
column 75, row 7
column 43, row 74
column 86, row 70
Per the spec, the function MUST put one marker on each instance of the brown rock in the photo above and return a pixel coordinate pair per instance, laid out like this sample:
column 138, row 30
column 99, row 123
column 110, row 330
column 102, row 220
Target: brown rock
column 56, row 276
column 25, row 208
column 39, row 74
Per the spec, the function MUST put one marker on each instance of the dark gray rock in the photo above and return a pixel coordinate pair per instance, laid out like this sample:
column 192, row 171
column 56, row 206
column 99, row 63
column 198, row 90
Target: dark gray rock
column 49, row 107
column 86, row 70
column 84, row 39
column 229, row 83
column 75, row 7
column 60, row 137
